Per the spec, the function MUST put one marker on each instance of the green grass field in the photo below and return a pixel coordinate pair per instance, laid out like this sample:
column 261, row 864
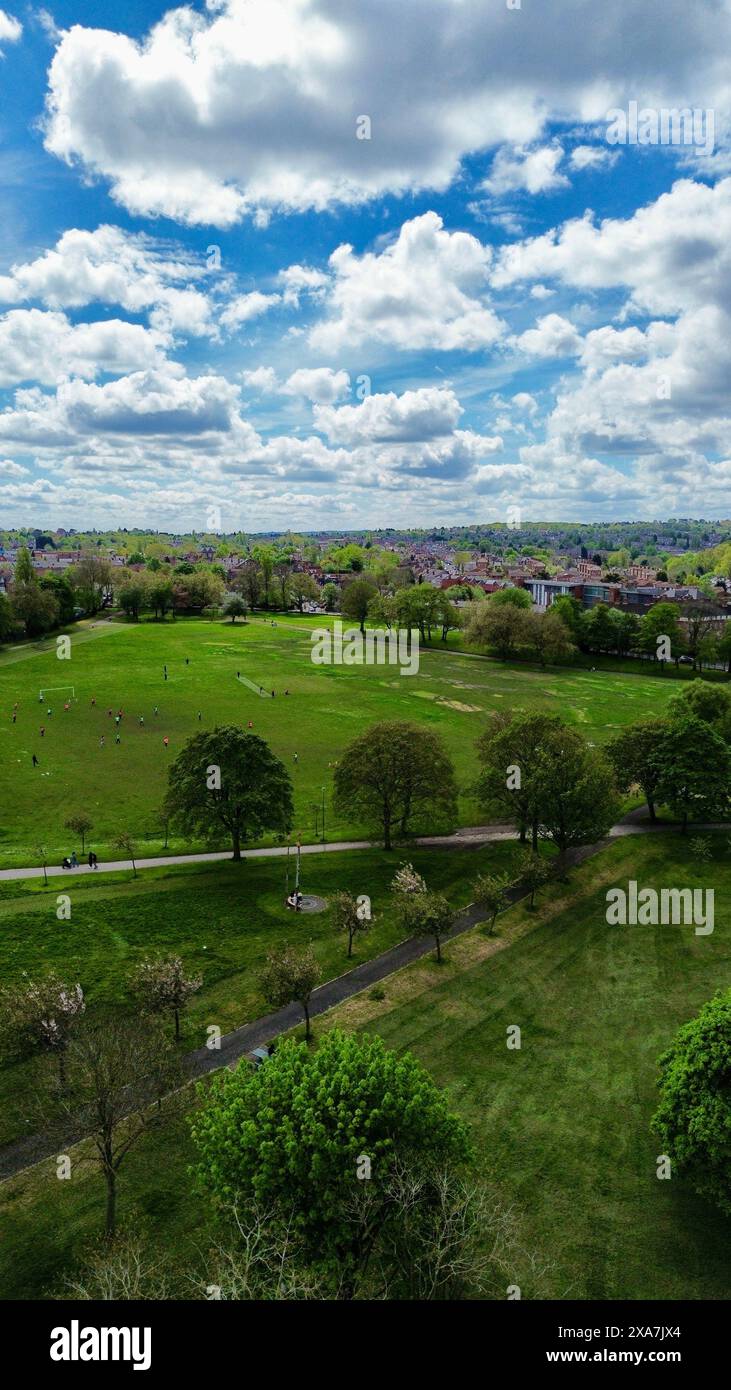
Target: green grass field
column 221, row 918
column 561, row 1126
column 121, row 666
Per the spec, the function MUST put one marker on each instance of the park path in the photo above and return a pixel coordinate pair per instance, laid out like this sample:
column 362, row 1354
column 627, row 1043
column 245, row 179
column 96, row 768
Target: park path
column 475, row 835
column 468, row 835
column 34, row 1148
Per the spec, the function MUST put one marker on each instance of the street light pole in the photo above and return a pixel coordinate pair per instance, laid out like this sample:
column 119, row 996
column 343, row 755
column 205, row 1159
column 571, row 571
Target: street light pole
column 323, row 815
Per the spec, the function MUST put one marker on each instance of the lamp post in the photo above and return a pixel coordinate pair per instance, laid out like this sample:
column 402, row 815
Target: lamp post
column 322, row 827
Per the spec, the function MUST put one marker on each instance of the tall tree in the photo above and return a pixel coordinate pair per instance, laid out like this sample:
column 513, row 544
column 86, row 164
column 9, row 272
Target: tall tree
column 393, row 771
column 357, row 595
column 509, row 752
column 575, row 791
column 633, row 756
column 92, row 576
column 693, row 1118
column 711, row 703
column 24, row 572
column 692, row 765
column 228, row 780
column 293, row 1135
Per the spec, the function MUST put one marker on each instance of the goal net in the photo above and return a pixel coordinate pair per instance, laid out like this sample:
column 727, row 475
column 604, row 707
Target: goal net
column 62, row 692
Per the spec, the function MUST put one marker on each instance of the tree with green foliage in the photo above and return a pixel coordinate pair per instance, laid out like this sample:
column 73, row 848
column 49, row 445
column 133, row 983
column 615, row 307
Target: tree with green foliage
column 570, row 611
column 161, row 596
column 36, row 608
column 264, row 557
column 8, row 621
column 513, row 597
column 234, row 608
column 633, row 753
column 357, row 596
column 295, row 1135
column 692, row 765
column 290, row 975
column 535, row 873
column 509, row 752
column 597, row 629
column 248, row 581
column 711, row 703
column 125, row 842
column 426, row 914
column 229, row 781
column 133, row 595
column 92, row 577
column 662, row 621
column 349, row 917
column 62, row 590
column 419, row 607
column 488, row 891
column 330, row 596
column 723, row 646
column 576, row 796
column 547, row 636
column 393, row 771
column 304, row 590
column 80, row 824
column 693, row 1119
column 497, row 626
column 24, row 572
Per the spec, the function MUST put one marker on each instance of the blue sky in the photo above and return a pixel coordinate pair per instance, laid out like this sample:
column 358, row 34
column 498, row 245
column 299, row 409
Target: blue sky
column 217, row 299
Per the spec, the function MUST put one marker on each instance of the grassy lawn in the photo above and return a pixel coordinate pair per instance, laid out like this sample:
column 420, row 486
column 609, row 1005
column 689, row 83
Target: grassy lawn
column 221, row 918
column 121, row 666
column 561, row 1125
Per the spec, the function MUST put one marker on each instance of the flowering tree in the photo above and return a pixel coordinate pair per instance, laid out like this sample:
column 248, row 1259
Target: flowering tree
column 43, row 1014
column 407, row 880
column 162, row 986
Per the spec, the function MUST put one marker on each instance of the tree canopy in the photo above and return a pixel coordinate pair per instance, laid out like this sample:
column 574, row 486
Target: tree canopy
column 226, row 780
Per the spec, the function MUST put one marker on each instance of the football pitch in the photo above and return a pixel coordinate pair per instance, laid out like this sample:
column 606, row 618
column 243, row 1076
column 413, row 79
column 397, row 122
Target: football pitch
column 171, row 680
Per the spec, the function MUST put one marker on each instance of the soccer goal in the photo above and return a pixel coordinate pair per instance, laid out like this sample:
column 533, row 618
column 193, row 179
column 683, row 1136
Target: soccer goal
column 64, row 692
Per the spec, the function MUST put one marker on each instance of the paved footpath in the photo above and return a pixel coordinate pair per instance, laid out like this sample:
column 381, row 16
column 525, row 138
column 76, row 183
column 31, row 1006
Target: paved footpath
column 32, row 1149
column 461, row 839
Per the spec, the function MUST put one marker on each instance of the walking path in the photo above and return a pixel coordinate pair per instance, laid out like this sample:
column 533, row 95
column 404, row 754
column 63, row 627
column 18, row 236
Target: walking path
column 32, row 1149
column 468, row 835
